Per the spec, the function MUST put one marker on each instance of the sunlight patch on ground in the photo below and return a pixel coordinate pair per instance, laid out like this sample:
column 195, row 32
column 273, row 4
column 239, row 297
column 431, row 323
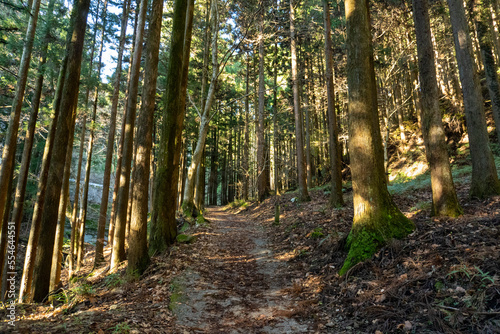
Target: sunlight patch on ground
column 410, row 171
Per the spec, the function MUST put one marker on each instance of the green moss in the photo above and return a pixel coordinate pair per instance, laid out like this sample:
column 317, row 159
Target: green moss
column 177, row 288
column 369, row 235
column 185, row 239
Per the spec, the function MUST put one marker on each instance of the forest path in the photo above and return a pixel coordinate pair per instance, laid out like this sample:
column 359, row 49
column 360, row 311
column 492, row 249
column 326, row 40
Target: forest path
column 235, row 285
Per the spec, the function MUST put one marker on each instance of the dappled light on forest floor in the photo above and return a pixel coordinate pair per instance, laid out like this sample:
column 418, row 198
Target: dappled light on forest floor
column 442, row 278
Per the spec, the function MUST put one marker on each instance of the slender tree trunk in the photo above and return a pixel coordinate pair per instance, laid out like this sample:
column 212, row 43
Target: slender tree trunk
column 55, row 275
column 276, row 141
column 261, row 177
column 484, row 180
column 65, row 122
column 301, row 165
column 188, row 198
column 246, row 144
column 164, row 227
column 103, row 212
column 336, row 198
column 112, row 218
column 73, row 248
column 444, row 197
column 17, row 213
column 376, row 217
column 9, row 149
column 29, row 260
column 490, row 68
column 118, row 250
column 138, row 249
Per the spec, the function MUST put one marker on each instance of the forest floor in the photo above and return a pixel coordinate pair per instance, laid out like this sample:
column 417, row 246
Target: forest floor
column 245, row 273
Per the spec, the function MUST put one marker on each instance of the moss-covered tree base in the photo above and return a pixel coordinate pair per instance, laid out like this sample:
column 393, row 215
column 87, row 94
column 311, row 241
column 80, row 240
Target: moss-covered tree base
column 189, row 209
column 369, row 235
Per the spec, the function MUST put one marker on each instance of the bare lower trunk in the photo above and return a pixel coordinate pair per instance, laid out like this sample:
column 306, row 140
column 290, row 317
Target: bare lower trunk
column 164, row 227
column 444, row 197
column 9, row 150
column 376, row 217
column 118, row 250
column 65, row 123
column 138, row 250
column 301, row 164
column 336, row 198
column 484, row 180
column 25, row 286
column 103, row 212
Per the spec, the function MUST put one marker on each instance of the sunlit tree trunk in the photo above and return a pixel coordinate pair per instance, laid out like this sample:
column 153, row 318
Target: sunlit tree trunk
column 188, row 196
column 122, row 199
column 9, row 149
column 103, row 212
column 55, row 274
column 376, row 217
column 112, row 218
column 29, row 260
column 246, row 142
column 484, row 180
column 261, row 177
column 485, row 43
column 138, row 258
column 444, row 197
column 65, row 123
column 301, row 164
column 17, row 213
column 164, row 227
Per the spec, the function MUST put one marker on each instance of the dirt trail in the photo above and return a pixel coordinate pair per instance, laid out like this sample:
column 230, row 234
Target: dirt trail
column 235, row 285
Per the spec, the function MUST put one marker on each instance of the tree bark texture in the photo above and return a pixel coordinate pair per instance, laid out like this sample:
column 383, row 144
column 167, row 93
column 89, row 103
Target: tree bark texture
column 484, row 180
column 65, row 122
column 122, row 198
column 138, row 250
column 376, row 217
column 299, row 138
column 444, row 197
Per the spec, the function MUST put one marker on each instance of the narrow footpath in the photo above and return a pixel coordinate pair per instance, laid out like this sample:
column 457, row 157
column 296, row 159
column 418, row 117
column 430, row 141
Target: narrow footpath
column 235, row 284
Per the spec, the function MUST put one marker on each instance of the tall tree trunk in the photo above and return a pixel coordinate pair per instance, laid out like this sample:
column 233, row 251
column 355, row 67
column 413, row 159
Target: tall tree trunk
column 65, row 122
column 17, row 213
column 84, row 209
column 246, row 143
column 29, row 260
column 112, row 218
column 444, row 197
column 376, row 217
column 301, row 164
column 55, row 274
column 164, row 227
column 276, row 141
column 103, row 212
column 261, row 177
column 188, row 196
column 336, row 198
column 138, row 249
column 484, row 180
column 122, row 199
column 9, row 149
column 73, row 248
column 485, row 37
